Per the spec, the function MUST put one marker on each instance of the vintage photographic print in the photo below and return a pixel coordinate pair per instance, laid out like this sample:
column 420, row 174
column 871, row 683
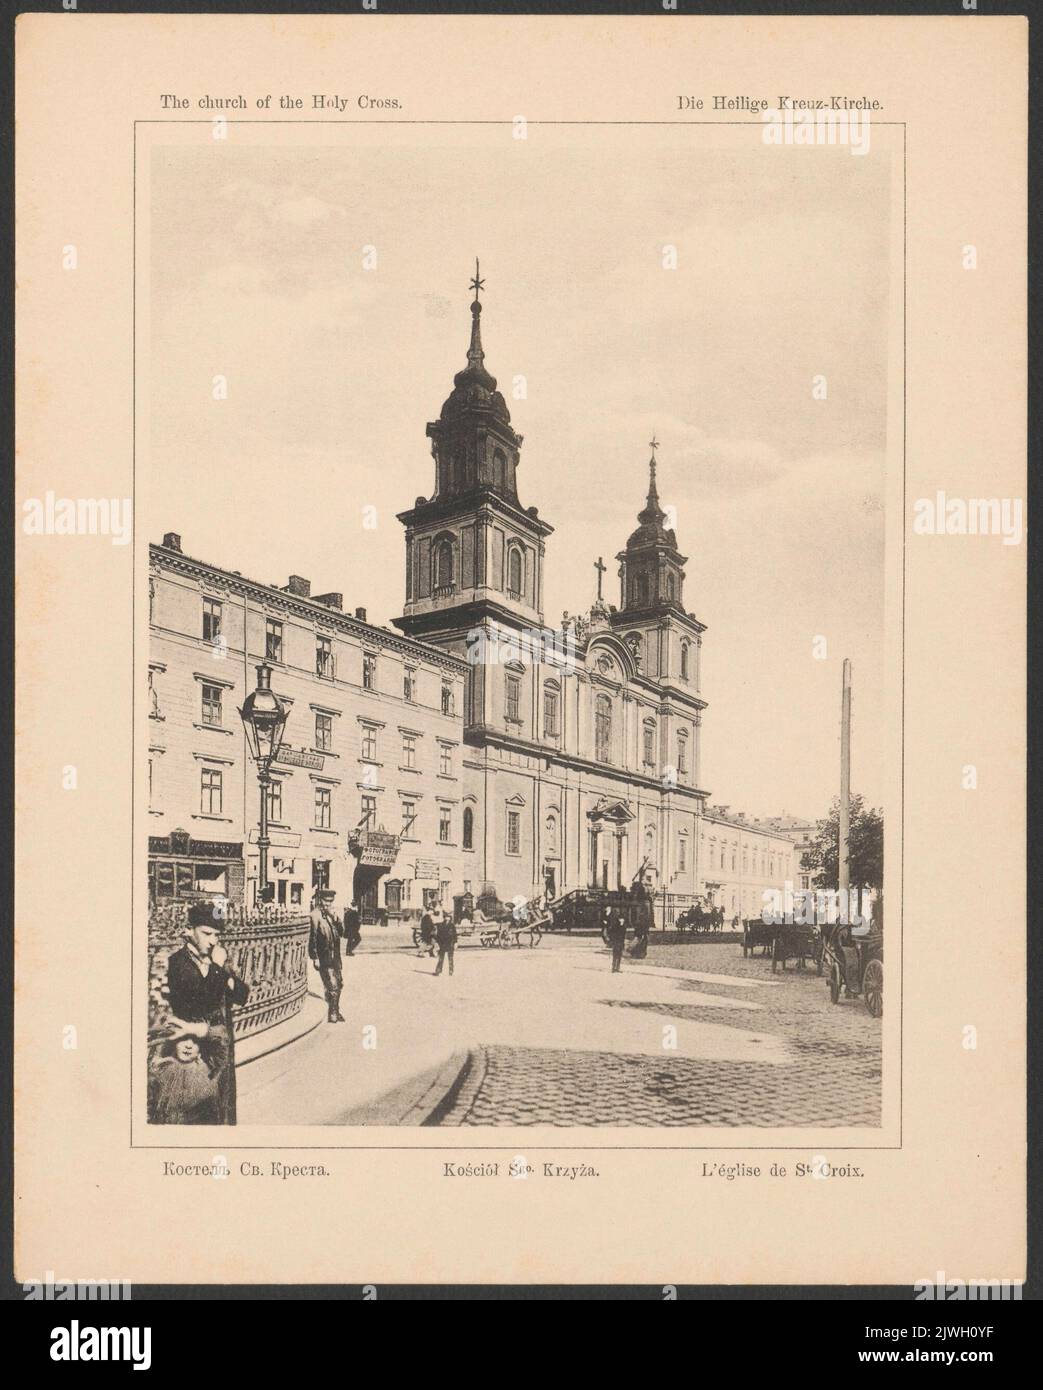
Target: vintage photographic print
column 520, row 680
column 517, row 661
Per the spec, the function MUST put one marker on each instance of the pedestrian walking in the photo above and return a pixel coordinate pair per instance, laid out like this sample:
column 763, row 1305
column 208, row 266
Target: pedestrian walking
column 201, row 989
column 615, row 934
column 427, row 934
column 445, row 936
column 352, row 927
column 324, row 937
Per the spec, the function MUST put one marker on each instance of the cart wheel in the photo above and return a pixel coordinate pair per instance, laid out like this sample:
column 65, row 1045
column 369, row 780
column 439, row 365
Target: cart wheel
column 834, row 984
column 873, row 988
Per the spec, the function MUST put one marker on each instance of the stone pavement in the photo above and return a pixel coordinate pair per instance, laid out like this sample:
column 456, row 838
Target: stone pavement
column 829, row 1077
column 550, row 1036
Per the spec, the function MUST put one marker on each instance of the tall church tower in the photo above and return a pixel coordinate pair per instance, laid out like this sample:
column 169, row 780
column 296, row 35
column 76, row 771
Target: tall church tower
column 473, row 552
column 651, row 568
column 663, row 637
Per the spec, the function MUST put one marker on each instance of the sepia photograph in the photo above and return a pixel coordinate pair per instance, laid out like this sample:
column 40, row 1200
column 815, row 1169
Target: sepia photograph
column 516, row 659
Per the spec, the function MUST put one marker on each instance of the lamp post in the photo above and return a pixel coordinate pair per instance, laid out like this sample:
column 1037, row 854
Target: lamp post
column 264, row 719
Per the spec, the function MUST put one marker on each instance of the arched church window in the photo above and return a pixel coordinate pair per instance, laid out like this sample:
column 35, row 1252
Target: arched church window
column 649, row 743
column 684, row 660
column 682, row 753
column 642, row 588
column 514, row 572
column 444, row 564
column 468, row 828
column 603, row 728
column 670, row 587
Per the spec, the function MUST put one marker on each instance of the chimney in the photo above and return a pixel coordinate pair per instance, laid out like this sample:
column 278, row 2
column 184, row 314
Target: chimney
column 172, row 541
column 331, row 600
column 360, row 613
column 300, row 588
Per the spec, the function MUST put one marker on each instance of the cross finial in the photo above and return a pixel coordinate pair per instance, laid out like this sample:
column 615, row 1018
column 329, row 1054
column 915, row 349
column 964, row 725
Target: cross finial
column 601, row 568
column 477, row 284
column 653, row 444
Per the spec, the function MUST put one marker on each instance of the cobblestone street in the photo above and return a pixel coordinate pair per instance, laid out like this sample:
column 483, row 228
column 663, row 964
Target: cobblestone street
column 833, row 1077
column 550, row 1036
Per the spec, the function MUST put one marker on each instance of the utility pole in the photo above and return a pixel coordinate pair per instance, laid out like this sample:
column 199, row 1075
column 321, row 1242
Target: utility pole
column 843, row 850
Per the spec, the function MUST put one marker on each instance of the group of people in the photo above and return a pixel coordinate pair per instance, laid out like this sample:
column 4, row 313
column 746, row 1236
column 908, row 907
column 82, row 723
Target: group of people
column 192, row 1061
column 618, row 918
column 438, row 931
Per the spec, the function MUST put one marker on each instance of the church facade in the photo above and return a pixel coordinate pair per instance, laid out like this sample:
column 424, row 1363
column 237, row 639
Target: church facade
column 582, row 740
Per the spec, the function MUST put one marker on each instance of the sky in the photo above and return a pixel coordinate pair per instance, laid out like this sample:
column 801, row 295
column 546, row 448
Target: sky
column 257, row 274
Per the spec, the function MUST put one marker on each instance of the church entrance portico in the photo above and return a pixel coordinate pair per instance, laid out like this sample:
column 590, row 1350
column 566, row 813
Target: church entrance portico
column 608, row 824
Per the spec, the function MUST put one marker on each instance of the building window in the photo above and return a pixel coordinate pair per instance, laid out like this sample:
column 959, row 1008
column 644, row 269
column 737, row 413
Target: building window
column 603, row 728
column 369, row 743
column 514, row 832
column 408, row 817
column 369, row 672
column 275, row 799
column 682, row 753
column 447, row 699
column 409, row 685
column 670, row 586
column 684, row 660
column 514, row 572
column 409, row 750
column 468, row 828
column 369, row 812
column 151, row 772
column 642, row 588
column 513, row 697
column 551, row 709
column 445, row 825
column 648, row 752
column 324, row 657
column 323, row 808
column 210, row 794
column 211, row 619
column 682, row 854
column 320, row 874
column 444, row 563
column 324, row 732
column 273, row 640
column 211, row 704
column 445, row 760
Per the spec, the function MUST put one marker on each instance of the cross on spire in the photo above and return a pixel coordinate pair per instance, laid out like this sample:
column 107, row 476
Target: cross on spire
column 477, row 283
column 601, row 568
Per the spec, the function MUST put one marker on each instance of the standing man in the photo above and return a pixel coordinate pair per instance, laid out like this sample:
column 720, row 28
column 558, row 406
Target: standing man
column 616, row 935
column 352, row 927
column 202, row 989
column 324, row 949
column 445, row 936
column 427, row 933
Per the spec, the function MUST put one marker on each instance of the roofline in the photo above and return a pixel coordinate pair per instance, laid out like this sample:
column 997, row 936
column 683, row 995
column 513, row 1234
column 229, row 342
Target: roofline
column 309, row 608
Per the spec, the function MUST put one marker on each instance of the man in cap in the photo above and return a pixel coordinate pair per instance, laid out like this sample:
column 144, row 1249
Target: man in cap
column 324, row 939
column 201, row 989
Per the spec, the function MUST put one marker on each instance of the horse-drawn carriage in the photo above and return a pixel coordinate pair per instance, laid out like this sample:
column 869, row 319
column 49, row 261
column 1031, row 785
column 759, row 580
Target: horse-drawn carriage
column 700, row 918
column 854, row 959
column 496, row 923
column 783, row 942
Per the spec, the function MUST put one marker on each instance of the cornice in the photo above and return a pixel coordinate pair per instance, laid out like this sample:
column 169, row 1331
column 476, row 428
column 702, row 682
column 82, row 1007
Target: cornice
column 309, row 609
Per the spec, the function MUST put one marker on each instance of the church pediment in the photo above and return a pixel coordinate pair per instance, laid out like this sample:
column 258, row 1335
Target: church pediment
column 613, row 810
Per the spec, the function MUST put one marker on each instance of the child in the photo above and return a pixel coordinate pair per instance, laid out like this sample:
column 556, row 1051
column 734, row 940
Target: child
column 182, row 1086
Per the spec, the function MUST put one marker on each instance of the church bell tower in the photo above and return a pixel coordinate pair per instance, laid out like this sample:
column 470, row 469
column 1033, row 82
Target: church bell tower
column 473, row 552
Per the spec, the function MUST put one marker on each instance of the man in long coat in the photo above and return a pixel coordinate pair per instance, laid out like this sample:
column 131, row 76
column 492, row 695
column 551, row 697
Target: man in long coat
column 201, row 989
column 324, row 938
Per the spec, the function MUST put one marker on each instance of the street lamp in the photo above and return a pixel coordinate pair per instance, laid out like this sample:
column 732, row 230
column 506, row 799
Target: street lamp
column 264, row 719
